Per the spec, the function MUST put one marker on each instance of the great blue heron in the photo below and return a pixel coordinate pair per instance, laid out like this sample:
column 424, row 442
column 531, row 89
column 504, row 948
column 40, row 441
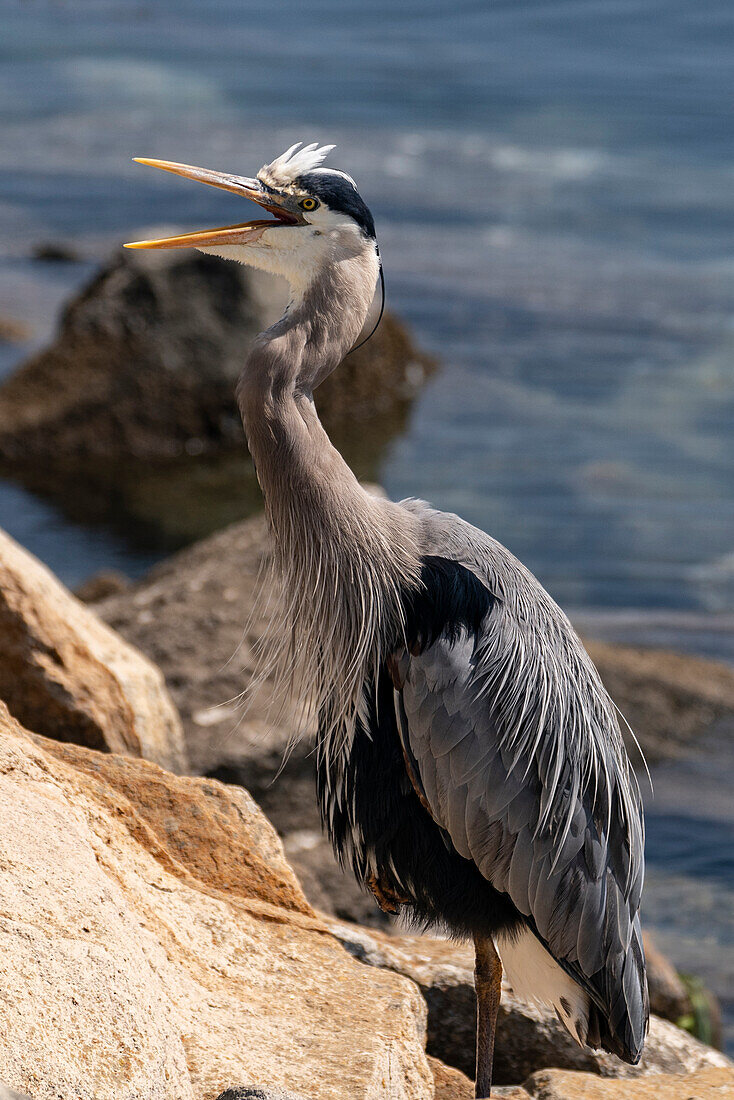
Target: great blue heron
column 470, row 763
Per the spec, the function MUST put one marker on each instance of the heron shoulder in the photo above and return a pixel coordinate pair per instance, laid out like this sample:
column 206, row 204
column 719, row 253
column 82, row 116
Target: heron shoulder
column 539, row 687
column 518, row 755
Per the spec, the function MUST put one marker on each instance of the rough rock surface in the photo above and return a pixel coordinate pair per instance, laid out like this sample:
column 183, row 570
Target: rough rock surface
column 449, row 1083
column 245, row 1093
column 669, row 997
column 146, row 359
column 11, row 1094
column 528, row 1038
column 155, row 945
column 64, row 673
column 707, row 1084
column 711, row 1084
column 670, row 699
column 453, row 1085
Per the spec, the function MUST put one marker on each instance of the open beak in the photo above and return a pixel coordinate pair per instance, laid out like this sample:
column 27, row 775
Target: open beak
column 244, row 232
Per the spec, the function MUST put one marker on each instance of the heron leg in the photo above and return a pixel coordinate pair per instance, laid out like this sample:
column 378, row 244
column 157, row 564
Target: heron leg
column 488, row 984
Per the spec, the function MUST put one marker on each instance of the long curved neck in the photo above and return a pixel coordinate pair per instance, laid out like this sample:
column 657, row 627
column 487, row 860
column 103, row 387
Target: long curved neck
column 344, row 556
column 290, row 449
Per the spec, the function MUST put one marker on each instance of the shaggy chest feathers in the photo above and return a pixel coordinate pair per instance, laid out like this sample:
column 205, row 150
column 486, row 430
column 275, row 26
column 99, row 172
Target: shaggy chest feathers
column 370, row 792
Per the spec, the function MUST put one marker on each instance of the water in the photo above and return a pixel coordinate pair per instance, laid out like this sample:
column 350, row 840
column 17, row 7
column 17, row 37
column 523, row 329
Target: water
column 553, row 188
column 688, row 898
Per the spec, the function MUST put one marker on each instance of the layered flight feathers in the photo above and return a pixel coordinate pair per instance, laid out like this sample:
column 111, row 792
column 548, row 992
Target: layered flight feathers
column 521, row 762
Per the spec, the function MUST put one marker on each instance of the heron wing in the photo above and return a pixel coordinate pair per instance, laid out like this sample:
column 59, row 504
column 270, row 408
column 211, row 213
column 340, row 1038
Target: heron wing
column 506, row 735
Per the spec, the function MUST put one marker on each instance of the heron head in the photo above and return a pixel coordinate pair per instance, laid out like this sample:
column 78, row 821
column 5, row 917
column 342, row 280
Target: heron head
column 317, row 215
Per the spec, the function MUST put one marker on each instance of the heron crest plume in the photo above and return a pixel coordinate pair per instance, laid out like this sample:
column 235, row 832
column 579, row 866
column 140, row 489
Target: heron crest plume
column 294, row 162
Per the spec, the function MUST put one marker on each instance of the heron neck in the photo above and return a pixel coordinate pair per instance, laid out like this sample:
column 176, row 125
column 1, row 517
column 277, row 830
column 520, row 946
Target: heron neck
column 291, row 451
column 344, row 556
column 304, row 479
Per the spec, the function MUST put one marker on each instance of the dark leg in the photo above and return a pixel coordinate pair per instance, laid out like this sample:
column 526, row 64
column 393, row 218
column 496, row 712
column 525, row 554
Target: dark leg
column 488, row 983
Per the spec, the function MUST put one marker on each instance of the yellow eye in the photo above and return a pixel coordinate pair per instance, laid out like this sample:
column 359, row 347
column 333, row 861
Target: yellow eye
column 308, row 204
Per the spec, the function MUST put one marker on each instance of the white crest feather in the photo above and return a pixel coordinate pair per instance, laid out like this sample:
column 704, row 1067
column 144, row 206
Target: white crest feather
column 294, row 162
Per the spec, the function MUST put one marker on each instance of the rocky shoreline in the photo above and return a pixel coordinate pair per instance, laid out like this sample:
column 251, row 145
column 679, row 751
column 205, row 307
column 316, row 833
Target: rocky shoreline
column 157, row 940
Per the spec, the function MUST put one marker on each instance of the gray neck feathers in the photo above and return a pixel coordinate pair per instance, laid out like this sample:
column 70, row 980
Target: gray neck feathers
column 342, row 556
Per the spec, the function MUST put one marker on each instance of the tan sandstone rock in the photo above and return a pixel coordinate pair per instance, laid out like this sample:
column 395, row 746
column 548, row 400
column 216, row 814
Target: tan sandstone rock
column 11, row 1094
column 707, row 1084
column 154, row 945
column 65, row 674
column 528, row 1038
column 450, row 1084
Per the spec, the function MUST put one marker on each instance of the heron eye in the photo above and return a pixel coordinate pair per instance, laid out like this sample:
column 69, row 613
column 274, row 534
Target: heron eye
column 308, row 204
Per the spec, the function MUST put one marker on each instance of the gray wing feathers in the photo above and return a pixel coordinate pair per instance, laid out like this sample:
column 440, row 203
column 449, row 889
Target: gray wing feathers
column 551, row 816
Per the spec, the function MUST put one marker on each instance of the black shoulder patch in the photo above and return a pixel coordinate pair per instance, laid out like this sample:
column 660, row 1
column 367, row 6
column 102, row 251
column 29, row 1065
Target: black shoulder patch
column 450, row 597
column 339, row 194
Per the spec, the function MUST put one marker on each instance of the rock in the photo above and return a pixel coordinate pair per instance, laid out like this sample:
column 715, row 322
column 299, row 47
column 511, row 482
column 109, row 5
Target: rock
column 10, row 1094
column 449, row 1083
column 710, row 1084
column 107, row 582
column 245, row 1093
column 146, row 360
column 669, row 997
column 528, row 1039
column 12, row 331
column 55, row 252
column 130, row 419
column 154, row 943
column 671, row 700
column 188, row 616
column 443, row 971
column 64, row 673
